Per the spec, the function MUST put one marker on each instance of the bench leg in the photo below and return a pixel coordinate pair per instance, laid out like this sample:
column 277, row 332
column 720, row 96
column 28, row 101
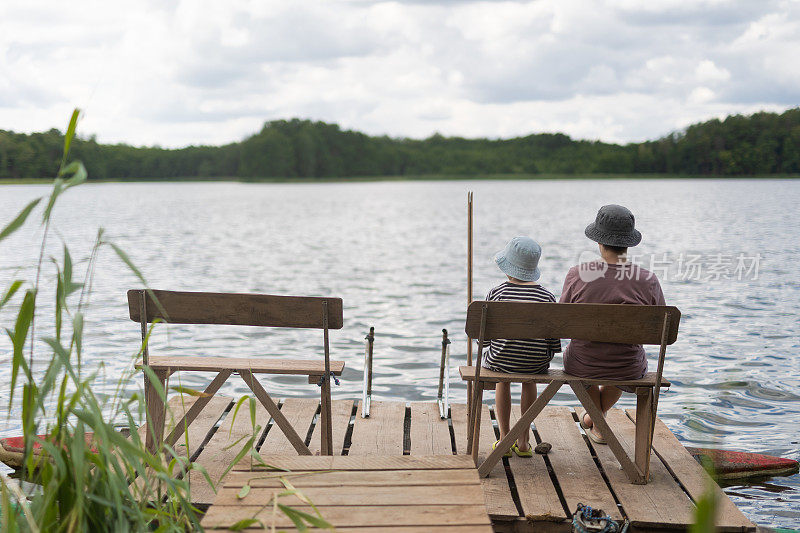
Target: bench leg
column 326, row 435
column 522, row 425
column 644, row 424
column 634, row 475
column 198, row 406
column 156, row 410
column 475, row 430
column 274, row 412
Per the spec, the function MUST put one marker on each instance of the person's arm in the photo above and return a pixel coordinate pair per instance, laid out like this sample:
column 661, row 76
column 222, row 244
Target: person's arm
column 658, row 294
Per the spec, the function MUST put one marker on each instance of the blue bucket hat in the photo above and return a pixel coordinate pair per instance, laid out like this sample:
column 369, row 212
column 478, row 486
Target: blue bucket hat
column 520, row 259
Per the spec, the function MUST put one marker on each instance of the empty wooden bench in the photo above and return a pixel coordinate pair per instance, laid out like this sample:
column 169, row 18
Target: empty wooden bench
column 147, row 306
column 613, row 323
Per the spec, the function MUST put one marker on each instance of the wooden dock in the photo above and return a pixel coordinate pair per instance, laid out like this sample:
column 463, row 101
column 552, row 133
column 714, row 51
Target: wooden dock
column 359, row 494
column 533, row 494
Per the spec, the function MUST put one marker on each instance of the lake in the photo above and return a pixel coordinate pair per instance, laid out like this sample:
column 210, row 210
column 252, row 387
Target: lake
column 727, row 252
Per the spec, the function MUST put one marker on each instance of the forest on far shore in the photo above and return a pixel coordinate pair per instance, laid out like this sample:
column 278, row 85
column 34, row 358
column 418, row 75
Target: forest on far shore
column 758, row 144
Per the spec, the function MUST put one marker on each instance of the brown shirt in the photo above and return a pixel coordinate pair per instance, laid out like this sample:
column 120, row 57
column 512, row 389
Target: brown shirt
column 618, row 284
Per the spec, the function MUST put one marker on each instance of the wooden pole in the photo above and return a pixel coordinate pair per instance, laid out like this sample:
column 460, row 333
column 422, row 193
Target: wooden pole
column 469, row 292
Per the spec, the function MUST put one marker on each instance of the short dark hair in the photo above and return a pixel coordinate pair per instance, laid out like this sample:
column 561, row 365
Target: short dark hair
column 619, row 250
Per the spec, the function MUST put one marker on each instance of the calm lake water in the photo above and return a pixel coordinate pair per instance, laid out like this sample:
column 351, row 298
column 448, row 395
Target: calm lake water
column 728, row 254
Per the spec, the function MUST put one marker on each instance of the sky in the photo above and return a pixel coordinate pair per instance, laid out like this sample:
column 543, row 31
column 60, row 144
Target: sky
column 175, row 73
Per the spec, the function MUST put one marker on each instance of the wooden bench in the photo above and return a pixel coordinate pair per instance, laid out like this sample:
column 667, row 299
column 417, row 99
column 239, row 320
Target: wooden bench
column 612, row 323
column 148, row 306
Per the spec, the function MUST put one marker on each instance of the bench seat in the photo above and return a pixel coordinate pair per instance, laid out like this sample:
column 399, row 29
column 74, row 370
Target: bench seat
column 300, row 367
column 490, row 378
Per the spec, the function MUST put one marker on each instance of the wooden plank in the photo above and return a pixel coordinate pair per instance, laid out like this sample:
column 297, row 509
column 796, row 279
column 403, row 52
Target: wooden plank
column 218, row 453
column 430, row 435
column 458, row 417
column 300, row 367
column 348, row 516
column 277, row 416
column 661, row 501
column 236, row 309
column 382, row 432
column 505, row 444
column 358, row 496
column 177, row 407
column 390, row 529
column 341, row 411
column 629, row 324
column 693, row 476
column 299, row 412
column 613, row 443
column 468, row 374
column 497, row 493
column 202, row 424
column 197, row 407
column 537, row 495
column 577, row 474
column 300, row 479
column 370, row 462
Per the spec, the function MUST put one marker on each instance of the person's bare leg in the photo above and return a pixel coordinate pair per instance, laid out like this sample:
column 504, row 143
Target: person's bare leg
column 526, row 400
column 604, row 397
column 594, row 394
column 609, row 396
column 502, row 406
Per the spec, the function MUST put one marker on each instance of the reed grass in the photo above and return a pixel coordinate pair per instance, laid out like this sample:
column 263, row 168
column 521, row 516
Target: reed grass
column 87, row 474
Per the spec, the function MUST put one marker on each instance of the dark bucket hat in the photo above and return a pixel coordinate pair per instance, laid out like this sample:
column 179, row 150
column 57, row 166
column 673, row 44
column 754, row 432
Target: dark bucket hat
column 614, row 226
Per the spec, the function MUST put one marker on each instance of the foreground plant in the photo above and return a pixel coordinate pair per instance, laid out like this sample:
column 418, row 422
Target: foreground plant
column 83, row 453
column 89, row 475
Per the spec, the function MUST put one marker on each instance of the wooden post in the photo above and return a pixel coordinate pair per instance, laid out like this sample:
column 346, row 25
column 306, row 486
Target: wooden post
column 644, row 411
column 469, row 291
column 155, row 405
column 473, row 437
column 326, row 435
column 662, row 353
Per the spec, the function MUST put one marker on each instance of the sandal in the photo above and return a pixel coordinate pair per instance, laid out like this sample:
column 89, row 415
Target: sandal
column 507, row 454
column 520, row 453
column 591, row 434
column 583, row 425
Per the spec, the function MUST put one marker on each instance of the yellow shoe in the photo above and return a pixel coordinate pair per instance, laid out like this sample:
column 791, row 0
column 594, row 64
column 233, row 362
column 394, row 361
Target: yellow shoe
column 507, row 454
column 520, row 453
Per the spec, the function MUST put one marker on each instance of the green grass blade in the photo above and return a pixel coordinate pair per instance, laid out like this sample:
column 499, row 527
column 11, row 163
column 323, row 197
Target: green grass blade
column 12, row 290
column 20, row 219
column 18, row 339
column 70, row 134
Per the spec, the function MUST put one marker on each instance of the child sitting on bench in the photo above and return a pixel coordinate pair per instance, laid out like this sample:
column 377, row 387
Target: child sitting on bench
column 519, row 261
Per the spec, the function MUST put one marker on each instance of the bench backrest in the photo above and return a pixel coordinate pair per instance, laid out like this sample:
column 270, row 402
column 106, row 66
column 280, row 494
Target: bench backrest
column 621, row 323
column 234, row 309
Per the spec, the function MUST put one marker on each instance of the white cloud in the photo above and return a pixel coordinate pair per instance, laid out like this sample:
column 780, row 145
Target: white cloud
column 203, row 71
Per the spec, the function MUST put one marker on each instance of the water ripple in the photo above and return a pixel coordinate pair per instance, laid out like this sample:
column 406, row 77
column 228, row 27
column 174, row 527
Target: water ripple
column 395, row 253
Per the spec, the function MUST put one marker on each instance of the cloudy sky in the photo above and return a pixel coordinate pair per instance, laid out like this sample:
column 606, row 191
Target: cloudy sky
column 184, row 72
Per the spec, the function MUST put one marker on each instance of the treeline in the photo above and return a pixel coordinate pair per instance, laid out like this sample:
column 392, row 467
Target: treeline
column 763, row 143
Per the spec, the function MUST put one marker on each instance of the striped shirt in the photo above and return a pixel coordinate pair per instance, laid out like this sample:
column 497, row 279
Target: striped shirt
column 530, row 356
